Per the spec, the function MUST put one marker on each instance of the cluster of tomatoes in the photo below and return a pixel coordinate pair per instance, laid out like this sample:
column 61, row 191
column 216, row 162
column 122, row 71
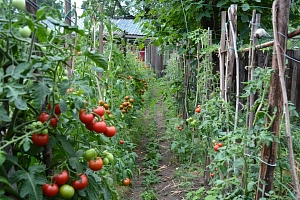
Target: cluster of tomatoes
column 180, row 127
column 41, row 138
column 217, row 146
column 94, row 121
column 198, row 109
column 126, row 105
column 60, row 184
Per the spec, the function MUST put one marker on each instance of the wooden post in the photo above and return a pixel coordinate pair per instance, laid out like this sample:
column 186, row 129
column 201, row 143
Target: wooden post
column 222, row 50
column 251, row 69
column 277, row 100
column 230, row 55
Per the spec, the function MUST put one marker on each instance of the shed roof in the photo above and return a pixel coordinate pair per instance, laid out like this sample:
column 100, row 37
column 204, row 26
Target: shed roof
column 128, row 25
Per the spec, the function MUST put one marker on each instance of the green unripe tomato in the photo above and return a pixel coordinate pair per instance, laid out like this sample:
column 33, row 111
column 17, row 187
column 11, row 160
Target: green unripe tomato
column 214, row 141
column 39, row 124
column 19, row 4
column 45, row 131
column 25, row 32
column 48, row 31
column 105, row 161
column 110, row 157
column 66, row 191
column 89, row 154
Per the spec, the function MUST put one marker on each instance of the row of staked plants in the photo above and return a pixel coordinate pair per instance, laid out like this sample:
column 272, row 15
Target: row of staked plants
column 208, row 132
column 66, row 110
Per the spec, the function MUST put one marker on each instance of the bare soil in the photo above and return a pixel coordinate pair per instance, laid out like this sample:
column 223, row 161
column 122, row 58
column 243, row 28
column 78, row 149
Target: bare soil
column 174, row 183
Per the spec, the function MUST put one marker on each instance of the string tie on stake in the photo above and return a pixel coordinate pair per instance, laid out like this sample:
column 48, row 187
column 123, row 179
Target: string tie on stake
column 271, row 165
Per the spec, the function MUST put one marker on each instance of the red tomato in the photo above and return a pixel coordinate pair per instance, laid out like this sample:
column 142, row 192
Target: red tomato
column 121, row 141
column 81, row 183
column 86, row 118
column 212, row 175
column 43, row 117
column 96, row 165
column 216, row 148
column 50, row 190
column 220, row 144
column 198, row 110
column 53, row 122
column 90, row 126
column 99, row 127
column 126, row 182
column 110, row 131
column 99, row 111
column 61, row 178
column 40, row 139
column 57, row 109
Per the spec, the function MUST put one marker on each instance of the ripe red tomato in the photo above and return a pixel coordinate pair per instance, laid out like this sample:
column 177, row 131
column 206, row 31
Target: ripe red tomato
column 57, row 109
column 50, row 190
column 126, row 182
column 81, row 183
column 86, row 118
column 53, row 122
column 43, row 117
column 96, row 165
column 220, row 144
column 216, row 148
column 61, row 178
column 99, row 127
column 99, row 111
column 40, row 139
column 198, row 110
column 121, row 141
column 110, row 131
column 90, row 126
column 212, row 175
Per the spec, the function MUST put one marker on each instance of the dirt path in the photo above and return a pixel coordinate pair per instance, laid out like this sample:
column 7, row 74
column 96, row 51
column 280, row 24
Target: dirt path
column 173, row 183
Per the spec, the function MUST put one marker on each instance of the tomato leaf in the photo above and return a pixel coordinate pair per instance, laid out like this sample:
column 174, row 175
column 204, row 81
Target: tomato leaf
column 75, row 164
column 14, row 92
column 3, row 115
column 98, row 69
column 93, row 186
column 63, row 87
column 30, row 181
column 2, row 157
column 63, row 106
column 40, row 91
column 98, row 58
column 66, row 144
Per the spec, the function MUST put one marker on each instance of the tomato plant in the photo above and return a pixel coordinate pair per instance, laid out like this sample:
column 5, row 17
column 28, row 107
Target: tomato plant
column 61, row 178
column 96, row 164
column 81, row 183
column 50, row 190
